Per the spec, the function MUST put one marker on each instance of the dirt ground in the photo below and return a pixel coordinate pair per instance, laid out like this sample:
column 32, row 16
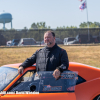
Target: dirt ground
column 89, row 55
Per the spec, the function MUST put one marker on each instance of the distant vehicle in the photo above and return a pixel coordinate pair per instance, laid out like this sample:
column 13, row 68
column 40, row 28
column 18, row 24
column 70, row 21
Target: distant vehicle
column 84, row 38
column 69, row 40
column 27, row 41
column 59, row 41
column 15, row 42
column 8, row 43
column 96, row 39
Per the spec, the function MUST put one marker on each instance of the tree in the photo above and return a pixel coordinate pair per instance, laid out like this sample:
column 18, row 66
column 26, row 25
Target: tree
column 34, row 26
column 61, row 27
column 39, row 25
column 25, row 27
column 91, row 25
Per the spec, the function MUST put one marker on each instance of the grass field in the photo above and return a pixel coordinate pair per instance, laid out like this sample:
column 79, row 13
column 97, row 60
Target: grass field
column 89, row 55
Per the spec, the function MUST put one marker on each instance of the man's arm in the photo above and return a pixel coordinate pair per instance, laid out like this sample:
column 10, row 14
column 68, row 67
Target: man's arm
column 64, row 61
column 64, row 65
column 28, row 62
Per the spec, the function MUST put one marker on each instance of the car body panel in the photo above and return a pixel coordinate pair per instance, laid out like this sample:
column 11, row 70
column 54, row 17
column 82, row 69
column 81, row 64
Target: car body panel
column 85, row 71
column 87, row 90
column 40, row 96
column 44, row 96
column 81, row 68
column 12, row 65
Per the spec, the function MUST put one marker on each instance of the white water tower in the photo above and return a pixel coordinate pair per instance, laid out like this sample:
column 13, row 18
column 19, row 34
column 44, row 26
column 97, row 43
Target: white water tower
column 5, row 18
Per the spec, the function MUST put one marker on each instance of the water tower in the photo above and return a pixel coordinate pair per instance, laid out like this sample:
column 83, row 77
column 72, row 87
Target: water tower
column 5, row 18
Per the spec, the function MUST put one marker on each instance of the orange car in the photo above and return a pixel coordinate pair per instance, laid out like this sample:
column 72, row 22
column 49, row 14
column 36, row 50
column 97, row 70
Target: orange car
column 81, row 82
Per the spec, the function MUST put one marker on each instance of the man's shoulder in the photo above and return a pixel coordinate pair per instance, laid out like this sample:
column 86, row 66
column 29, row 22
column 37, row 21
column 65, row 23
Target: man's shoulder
column 41, row 49
column 59, row 48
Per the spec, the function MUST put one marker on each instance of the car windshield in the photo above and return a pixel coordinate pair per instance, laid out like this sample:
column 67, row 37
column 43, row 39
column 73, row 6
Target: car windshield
column 7, row 74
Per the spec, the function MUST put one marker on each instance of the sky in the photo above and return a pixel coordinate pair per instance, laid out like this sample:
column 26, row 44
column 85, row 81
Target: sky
column 55, row 13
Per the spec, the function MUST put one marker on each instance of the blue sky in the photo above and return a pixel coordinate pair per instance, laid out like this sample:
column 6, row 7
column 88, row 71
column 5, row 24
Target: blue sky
column 53, row 12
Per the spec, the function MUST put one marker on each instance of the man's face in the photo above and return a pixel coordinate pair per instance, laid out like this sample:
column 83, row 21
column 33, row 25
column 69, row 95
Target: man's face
column 49, row 40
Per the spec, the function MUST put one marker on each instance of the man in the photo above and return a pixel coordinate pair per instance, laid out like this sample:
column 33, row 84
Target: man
column 49, row 58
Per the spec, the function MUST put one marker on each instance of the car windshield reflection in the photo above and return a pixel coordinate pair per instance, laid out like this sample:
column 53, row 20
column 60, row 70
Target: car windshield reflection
column 44, row 82
column 66, row 82
column 7, row 74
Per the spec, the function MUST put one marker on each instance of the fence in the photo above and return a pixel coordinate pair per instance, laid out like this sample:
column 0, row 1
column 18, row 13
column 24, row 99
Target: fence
column 37, row 34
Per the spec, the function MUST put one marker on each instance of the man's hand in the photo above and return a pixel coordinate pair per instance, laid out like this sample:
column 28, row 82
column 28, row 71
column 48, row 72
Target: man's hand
column 20, row 70
column 56, row 74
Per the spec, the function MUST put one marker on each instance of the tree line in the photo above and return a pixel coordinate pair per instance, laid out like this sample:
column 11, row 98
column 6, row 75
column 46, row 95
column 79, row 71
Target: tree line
column 42, row 25
column 37, row 34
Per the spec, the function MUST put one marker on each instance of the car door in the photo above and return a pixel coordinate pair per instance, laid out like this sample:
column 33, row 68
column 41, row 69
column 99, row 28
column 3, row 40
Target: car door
column 42, row 85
